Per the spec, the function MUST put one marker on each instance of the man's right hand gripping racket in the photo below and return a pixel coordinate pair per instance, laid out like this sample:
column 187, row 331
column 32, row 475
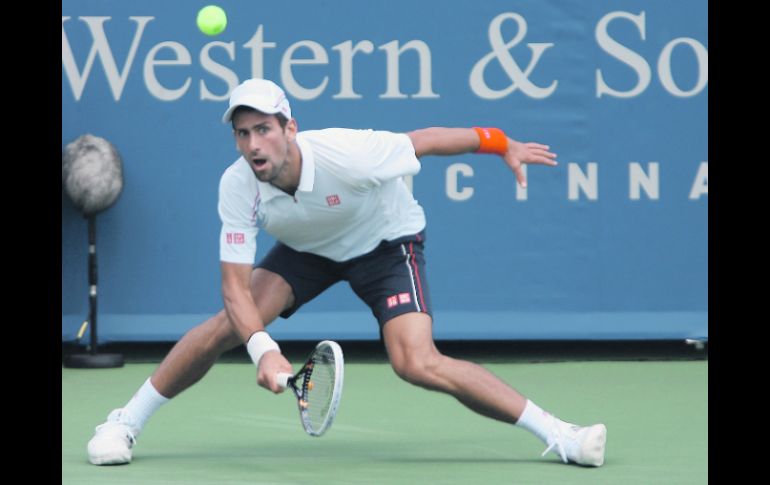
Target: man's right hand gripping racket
column 318, row 387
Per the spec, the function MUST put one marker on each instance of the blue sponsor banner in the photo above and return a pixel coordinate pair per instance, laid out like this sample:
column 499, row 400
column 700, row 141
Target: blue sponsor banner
column 612, row 243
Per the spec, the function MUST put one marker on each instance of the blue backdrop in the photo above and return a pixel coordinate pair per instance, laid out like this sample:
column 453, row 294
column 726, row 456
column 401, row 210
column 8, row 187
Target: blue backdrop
column 610, row 244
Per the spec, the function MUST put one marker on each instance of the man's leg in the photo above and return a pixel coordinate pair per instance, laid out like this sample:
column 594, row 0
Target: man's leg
column 192, row 357
column 187, row 362
column 415, row 358
column 194, row 354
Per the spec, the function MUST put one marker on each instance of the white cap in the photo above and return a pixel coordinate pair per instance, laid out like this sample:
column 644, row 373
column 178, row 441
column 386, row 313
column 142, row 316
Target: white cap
column 262, row 95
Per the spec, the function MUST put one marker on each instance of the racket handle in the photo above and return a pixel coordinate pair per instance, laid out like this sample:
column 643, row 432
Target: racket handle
column 283, row 379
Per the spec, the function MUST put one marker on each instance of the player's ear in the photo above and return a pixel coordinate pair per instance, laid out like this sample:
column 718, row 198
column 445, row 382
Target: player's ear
column 291, row 129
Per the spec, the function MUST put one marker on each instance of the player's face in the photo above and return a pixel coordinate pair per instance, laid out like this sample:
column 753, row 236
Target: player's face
column 265, row 145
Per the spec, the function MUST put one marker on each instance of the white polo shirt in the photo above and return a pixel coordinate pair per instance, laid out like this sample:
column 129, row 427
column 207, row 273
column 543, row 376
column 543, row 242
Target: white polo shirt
column 351, row 196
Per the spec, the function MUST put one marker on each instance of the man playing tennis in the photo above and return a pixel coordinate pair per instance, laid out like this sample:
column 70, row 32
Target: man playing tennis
column 337, row 204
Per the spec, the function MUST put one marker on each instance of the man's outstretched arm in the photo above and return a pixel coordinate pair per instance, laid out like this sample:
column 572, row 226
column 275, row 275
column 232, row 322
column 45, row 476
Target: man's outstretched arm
column 248, row 323
column 455, row 141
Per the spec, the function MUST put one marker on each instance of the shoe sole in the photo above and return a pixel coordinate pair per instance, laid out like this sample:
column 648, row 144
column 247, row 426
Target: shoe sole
column 110, row 459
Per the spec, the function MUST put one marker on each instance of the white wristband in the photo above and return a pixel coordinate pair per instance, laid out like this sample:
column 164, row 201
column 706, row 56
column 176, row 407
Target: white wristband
column 258, row 344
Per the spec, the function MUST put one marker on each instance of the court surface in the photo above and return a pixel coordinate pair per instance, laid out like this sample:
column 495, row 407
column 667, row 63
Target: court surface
column 226, row 430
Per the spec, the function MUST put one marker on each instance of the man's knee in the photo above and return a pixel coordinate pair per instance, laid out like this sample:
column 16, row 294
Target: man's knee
column 418, row 369
column 217, row 332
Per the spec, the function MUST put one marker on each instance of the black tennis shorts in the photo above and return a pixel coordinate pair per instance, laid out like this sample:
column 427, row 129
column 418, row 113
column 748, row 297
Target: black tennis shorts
column 390, row 279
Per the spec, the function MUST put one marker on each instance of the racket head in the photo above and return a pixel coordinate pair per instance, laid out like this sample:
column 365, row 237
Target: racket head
column 320, row 387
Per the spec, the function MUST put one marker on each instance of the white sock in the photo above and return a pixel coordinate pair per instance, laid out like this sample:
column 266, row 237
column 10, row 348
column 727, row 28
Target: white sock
column 143, row 404
column 536, row 421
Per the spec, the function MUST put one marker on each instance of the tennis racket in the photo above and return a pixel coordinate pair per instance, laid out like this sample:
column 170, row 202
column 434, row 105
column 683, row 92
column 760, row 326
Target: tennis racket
column 318, row 387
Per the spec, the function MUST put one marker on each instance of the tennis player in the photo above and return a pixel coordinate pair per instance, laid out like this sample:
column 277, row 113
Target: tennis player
column 336, row 203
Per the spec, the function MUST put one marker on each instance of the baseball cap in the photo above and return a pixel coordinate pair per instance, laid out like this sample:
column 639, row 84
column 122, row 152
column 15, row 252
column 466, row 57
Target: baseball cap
column 260, row 94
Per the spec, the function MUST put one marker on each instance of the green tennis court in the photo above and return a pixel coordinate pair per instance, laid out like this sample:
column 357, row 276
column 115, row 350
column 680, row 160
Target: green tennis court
column 226, row 430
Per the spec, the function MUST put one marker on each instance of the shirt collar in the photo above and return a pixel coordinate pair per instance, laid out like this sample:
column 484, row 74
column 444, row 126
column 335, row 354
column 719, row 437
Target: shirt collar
column 307, row 176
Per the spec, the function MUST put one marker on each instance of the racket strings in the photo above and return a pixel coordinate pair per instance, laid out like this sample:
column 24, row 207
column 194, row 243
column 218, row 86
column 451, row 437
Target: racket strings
column 319, row 395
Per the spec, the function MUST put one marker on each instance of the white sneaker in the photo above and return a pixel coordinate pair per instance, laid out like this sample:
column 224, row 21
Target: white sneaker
column 583, row 445
column 113, row 440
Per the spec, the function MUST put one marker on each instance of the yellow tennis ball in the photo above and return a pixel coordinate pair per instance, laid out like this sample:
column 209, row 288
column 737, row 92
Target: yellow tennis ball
column 212, row 20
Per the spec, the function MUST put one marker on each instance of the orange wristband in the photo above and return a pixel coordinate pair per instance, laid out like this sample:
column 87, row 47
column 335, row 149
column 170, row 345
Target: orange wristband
column 491, row 140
